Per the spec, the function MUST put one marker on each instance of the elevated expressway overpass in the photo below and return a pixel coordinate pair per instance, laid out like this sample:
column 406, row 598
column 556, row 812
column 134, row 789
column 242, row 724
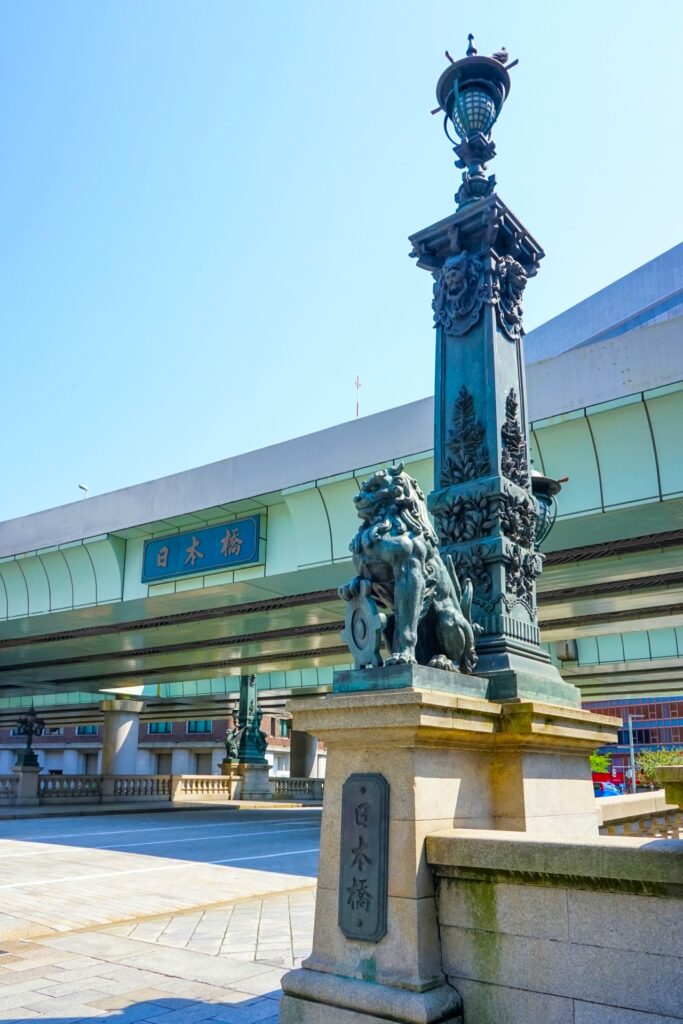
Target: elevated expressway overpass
column 605, row 386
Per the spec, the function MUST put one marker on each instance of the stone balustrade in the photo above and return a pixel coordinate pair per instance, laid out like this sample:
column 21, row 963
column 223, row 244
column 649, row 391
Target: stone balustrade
column 69, row 788
column 298, row 789
column 203, row 787
column 92, row 789
column 8, row 789
column 137, row 787
column 639, row 814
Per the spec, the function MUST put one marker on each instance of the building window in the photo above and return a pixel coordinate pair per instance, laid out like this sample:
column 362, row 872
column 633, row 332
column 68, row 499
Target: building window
column 199, row 725
column 285, row 727
column 87, row 730
column 53, row 730
column 272, row 727
column 154, row 728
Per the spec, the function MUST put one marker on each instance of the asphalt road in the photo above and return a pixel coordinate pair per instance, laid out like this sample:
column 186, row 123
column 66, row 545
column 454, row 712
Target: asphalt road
column 63, row 873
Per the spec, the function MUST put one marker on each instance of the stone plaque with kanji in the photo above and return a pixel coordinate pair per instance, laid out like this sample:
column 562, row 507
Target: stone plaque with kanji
column 363, row 861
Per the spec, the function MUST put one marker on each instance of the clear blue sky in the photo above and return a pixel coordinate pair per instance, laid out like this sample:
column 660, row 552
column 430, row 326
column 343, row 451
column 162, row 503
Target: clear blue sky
column 204, row 209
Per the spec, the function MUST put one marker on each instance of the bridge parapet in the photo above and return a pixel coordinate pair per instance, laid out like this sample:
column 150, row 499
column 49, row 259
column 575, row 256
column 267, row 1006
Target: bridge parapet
column 639, row 814
column 537, row 927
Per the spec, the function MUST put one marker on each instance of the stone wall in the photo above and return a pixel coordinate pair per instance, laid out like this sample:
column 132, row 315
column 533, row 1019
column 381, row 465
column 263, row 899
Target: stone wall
column 583, row 931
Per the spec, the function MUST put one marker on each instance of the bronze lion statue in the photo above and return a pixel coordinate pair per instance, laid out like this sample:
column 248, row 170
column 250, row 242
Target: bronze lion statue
column 396, row 551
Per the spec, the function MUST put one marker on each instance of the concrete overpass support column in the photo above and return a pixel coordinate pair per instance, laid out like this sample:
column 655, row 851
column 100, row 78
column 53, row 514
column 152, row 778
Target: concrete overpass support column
column 120, row 736
column 303, row 749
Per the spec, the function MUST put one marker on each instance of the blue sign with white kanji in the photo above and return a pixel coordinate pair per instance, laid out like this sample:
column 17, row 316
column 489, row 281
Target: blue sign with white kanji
column 214, row 547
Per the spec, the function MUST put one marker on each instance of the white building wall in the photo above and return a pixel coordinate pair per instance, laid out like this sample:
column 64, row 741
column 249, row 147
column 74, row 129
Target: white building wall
column 73, row 762
column 183, row 762
column 7, row 759
column 146, row 763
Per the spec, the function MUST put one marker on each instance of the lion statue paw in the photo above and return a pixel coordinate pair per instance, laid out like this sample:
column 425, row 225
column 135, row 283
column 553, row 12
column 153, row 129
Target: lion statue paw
column 401, row 659
column 441, row 661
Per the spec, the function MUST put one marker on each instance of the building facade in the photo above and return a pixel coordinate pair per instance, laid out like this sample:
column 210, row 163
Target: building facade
column 182, row 747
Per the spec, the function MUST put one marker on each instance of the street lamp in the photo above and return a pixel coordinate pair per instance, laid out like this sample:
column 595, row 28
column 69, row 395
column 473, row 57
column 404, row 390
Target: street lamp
column 545, row 490
column 84, row 488
column 631, row 749
column 471, row 93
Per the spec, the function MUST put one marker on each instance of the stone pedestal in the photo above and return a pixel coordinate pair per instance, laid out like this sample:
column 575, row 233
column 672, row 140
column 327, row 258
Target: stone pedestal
column 120, row 736
column 450, row 760
column 27, row 758
column 27, row 785
column 229, row 767
column 303, row 749
column 254, row 782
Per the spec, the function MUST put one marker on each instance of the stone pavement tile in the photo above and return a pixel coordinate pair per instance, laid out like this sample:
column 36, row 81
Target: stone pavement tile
column 79, row 963
column 27, row 967
column 99, row 945
column 59, row 1011
column 122, row 929
column 250, row 1013
column 198, row 990
column 184, row 963
column 205, row 945
column 191, row 1013
column 78, row 984
column 276, row 957
column 136, row 995
column 148, row 931
column 8, row 1003
column 261, row 985
column 20, row 1014
column 128, row 978
column 36, row 956
column 24, row 984
column 54, row 1003
column 136, row 1013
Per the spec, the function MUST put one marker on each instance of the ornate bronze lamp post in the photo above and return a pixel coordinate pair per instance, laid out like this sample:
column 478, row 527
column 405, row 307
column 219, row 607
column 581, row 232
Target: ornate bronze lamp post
column 29, row 725
column 486, row 515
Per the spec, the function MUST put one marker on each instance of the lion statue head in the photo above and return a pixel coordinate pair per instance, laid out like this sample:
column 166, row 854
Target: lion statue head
column 390, row 501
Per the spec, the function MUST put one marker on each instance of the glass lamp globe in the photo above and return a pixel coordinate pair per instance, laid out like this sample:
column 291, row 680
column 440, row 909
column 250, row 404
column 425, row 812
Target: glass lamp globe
column 474, row 110
column 545, row 491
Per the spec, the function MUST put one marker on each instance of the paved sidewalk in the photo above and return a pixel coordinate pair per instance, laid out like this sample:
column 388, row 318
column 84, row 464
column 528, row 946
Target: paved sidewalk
column 65, row 874
column 222, row 964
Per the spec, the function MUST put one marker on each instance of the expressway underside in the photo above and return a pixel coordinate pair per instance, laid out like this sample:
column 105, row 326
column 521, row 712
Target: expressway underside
column 606, row 589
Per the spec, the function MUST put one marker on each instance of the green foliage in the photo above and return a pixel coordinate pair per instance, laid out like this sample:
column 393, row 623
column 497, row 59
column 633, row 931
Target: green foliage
column 648, row 760
column 600, row 763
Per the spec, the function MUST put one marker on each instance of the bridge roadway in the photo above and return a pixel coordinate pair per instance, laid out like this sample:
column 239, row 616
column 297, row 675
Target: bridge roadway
column 61, row 874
